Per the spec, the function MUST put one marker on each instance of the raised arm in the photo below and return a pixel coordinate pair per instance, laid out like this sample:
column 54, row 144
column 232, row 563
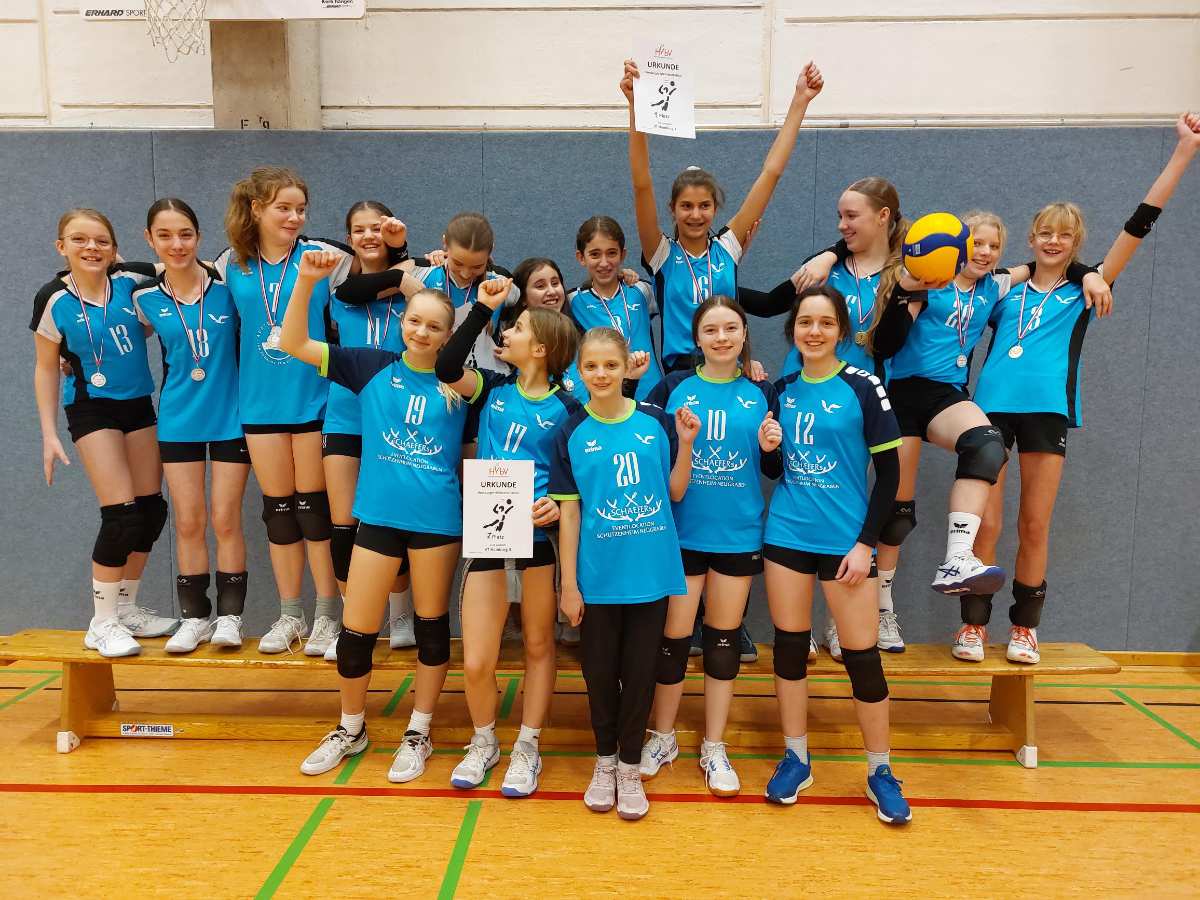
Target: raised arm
column 687, row 426
column 453, row 356
column 294, row 338
column 644, row 208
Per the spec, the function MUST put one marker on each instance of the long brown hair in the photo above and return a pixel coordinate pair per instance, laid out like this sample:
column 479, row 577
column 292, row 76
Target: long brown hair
column 881, row 194
column 721, row 301
column 558, row 335
column 262, row 185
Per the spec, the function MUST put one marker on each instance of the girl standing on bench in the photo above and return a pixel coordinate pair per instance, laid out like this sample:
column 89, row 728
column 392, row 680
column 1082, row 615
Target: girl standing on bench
column 823, row 523
column 1029, row 386
column 194, row 315
column 86, row 317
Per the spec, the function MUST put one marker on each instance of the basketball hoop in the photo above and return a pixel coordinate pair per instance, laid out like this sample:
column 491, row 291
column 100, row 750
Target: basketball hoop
column 176, row 25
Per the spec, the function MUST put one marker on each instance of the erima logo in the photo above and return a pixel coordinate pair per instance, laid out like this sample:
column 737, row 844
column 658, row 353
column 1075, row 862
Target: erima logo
column 592, row 447
column 219, row 320
column 830, row 407
column 397, row 383
column 962, row 525
column 164, row 314
column 543, row 423
column 746, row 404
column 498, row 405
column 645, row 439
column 789, row 403
column 691, row 400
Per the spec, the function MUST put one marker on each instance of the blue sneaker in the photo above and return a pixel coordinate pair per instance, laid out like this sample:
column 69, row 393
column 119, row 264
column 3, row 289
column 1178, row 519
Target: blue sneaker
column 883, row 789
column 747, row 651
column 790, row 778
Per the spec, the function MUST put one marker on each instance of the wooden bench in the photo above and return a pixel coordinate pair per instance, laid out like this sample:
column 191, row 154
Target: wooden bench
column 89, row 705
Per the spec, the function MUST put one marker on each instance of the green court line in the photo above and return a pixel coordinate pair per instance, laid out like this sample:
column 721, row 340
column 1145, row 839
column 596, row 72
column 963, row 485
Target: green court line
column 458, row 857
column 1178, row 732
column 343, row 777
column 31, row 671
column 30, row 691
column 400, row 692
column 510, row 696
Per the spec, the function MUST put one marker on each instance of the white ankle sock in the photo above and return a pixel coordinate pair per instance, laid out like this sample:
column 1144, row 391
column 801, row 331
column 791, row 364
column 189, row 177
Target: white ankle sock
column 487, row 732
column 875, row 760
column 420, row 721
column 353, row 722
column 885, row 590
column 798, row 745
column 127, row 599
column 960, row 536
column 529, row 735
column 400, row 603
column 104, row 596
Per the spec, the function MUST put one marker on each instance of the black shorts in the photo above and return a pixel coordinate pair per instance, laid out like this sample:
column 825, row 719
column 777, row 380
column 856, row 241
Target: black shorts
column 824, row 565
column 736, row 565
column 285, row 428
column 231, row 451
column 543, row 555
column 100, row 413
column 337, row 444
column 1032, row 432
column 396, row 541
column 917, row 401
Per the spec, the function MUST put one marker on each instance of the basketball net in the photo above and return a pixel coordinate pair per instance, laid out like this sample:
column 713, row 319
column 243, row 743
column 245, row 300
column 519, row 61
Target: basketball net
column 176, row 25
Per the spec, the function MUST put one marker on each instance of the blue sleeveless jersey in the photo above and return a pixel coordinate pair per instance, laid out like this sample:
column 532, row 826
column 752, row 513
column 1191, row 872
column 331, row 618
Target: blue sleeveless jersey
column 411, row 441
column 190, row 410
column 682, row 282
column 860, row 301
column 117, row 337
column 619, row 470
column 376, row 324
column 629, row 311
column 483, row 355
column 831, row 427
column 722, row 511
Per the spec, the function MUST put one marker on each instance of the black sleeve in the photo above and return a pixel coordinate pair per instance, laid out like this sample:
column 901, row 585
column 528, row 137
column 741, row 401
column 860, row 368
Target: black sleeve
column 361, row 289
column 771, row 464
column 840, row 250
column 354, row 367
column 137, row 268
column 775, row 302
column 452, row 357
column 883, row 494
column 896, row 322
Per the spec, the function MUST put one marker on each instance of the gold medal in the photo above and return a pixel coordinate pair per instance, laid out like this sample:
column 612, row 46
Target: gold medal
column 861, row 339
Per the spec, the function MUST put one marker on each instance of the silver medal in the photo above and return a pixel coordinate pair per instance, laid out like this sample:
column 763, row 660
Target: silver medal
column 961, row 362
column 98, row 379
column 197, row 374
column 274, row 337
column 1016, row 351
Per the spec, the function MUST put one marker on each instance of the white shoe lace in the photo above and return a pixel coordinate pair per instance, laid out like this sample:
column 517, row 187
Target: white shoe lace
column 520, row 765
column 602, row 775
column 337, row 742
column 717, row 758
column 408, row 754
column 325, row 629
column 889, row 627
column 477, row 756
column 113, row 630
column 629, row 783
column 289, row 631
column 192, row 629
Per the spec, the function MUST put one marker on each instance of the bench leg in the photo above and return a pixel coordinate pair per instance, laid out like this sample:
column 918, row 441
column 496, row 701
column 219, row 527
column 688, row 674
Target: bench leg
column 1012, row 706
column 87, row 689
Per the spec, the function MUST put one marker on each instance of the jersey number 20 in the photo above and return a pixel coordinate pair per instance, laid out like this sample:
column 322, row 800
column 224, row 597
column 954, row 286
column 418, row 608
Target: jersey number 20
column 627, row 469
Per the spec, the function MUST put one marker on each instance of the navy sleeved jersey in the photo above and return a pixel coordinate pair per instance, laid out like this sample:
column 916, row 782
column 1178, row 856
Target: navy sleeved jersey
column 411, row 440
column 629, row 311
column 87, row 330
column 195, row 334
column 722, row 511
column 860, row 302
column 483, row 355
column 375, row 324
column 619, row 470
column 682, row 282
column 831, row 426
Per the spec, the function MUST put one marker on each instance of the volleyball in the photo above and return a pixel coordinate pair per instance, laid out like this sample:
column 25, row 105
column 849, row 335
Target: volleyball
column 936, row 247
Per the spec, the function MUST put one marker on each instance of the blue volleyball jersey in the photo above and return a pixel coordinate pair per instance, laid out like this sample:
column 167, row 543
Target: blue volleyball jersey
column 411, row 441
column 190, row 410
column 682, row 282
column 376, row 324
column 1045, row 377
column 273, row 387
column 932, row 348
column 722, row 511
column 619, row 470
column 110, row 331
column 629, row 311
column 483, row 355
column 831, row 426
column 860, row 301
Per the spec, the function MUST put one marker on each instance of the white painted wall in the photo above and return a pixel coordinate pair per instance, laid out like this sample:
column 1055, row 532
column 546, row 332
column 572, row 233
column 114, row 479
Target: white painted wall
column 555, row 63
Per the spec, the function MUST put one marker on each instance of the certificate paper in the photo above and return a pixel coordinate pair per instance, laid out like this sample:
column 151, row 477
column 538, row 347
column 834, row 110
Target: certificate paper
column 664, row 100
column 497, row 508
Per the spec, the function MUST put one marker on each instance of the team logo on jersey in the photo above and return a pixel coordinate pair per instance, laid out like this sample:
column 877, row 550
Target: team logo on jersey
column 544, row 424
column 789, row 403
column 79, row 317
column 830, row 407
column 397, row 382
column 128, row 310
column 498, row 405
column 645, row 439
column 270, row 349
column 164, row 314
column 746, row 404
column 715, row 463
column 633, row 307
column 411, row 444
column 218, row 320
column 691, row 400
column 1067, row 300
column 802, row 462
column 631, row 508
column 592, row 447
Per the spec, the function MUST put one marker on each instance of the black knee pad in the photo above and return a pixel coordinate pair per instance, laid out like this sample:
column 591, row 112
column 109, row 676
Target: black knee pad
column 981, row 453
column 154, row 517
column 279, row 514
column 722, row 653
column 354, row 651
column 672, row 660
column 976, row 608
column 192, row 591
column 120, row 528
column 899, row 524
column 791, row 654
column 1028, row 601
column 341, row 547
column 433, row 640
column 312, row 514
column 865, row 669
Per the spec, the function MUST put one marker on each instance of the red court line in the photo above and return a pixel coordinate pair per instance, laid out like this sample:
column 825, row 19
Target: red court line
column 577, row 796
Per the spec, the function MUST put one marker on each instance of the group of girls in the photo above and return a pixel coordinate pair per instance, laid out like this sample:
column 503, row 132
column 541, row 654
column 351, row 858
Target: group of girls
column 351, row 378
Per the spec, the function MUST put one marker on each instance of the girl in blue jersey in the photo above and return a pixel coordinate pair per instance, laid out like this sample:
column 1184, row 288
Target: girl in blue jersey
column 282, row 402
column 519, row 415
column 617, row 465
column 86, row 316
column 408, row 503
column 196, row 320
column 835, row 419
column 720, row 522
column 1029, row 385
column 693, row 265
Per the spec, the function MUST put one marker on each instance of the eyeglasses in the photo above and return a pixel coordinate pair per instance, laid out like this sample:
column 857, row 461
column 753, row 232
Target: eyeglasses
column 81, row 241
column 1045, row 236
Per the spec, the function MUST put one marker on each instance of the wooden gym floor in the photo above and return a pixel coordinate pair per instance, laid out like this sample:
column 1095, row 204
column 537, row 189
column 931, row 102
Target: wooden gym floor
column 1113, row 810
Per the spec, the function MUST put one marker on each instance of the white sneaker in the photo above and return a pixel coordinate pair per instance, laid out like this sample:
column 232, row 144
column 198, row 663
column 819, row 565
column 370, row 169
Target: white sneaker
column 722, row 781
column 409, row 761
column 524, row 766
column 334, row 747
column 482, row 755
column 659, row 750
column 402, row 633
column 145, row 623
column 331, row 652
column 969, row 642
column 324, row 632
column 890, row 640
column 227, row 632
column 111, row 638
column 832, row 642
column 963, row 573
column 631, row 795
column 813, row 652
column 1023, row 645
column 191, row 634
column 601, row 793
column 286, row 631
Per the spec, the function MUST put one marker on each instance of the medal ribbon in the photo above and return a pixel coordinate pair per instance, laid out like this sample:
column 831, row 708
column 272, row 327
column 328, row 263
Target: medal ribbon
column 621, row 291
column 179, row 309
column 262, row 284
column 1022, row 328
column 698, row 295
column 98, row 359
